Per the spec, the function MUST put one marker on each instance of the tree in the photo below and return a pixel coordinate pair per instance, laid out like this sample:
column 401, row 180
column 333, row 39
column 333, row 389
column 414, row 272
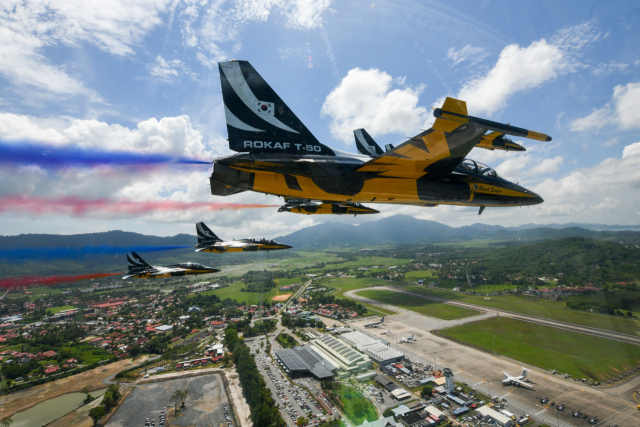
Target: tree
column 387, row 413
column 302, row 421
column 184, row 397
column 97, row 413
column 427, row 391
column 176, row 397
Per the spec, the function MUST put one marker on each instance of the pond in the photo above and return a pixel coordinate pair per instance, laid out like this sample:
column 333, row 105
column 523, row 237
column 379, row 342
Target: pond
column 52, row 409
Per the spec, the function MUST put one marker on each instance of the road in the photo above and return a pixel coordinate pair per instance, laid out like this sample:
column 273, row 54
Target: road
column 603, row 333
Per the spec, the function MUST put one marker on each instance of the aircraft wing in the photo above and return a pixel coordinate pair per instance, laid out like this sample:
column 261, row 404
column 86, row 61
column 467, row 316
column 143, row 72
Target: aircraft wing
column 513, row 380
column 498, row 141
column 441, row 148
column 436, row 150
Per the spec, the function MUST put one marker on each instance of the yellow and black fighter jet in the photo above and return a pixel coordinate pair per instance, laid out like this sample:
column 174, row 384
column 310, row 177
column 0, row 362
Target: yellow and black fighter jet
column 140, row 269
column 279, row 155
column 209, row 242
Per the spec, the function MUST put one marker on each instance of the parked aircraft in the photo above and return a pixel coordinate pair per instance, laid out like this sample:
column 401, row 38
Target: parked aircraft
column 560, row 407
column 374, row 324
column 278, row 154
column 406, row 340
column 575, row 414
column 140, row 269
column 508, row 379
column 544, row 400
column 388, row 331
column 567, row 375
column 554, row 371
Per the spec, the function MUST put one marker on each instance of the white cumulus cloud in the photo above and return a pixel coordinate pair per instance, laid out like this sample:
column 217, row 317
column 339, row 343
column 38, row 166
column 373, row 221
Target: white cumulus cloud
column 523, row 68
column 367, row 99
column 623, row 111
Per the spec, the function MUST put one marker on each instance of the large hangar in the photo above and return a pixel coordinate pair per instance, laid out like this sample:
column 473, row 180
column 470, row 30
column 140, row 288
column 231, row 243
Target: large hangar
column 374, row 348
column 303, row 360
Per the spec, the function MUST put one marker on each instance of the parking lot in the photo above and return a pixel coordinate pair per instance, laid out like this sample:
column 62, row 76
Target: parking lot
column 204, row 403
column 293, row 400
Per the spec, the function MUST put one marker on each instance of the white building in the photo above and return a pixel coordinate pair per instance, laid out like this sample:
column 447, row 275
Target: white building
column 490, row 415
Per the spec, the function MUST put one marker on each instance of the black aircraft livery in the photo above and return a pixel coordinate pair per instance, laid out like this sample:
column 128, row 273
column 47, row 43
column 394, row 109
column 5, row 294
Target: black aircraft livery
column 140, row 269
column 278, row 155
column 209, row 242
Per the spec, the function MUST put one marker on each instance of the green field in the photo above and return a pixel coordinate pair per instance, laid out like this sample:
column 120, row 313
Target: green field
column 351, row 284
column 246, row 298
column 421, row 274
column 555, row 310
column 580, row 355
column 55, row 310
column 357, row 407
column 429, row 308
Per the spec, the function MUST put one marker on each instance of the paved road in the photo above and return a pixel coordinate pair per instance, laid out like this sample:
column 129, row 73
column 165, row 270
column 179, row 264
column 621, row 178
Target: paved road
column 603, row 333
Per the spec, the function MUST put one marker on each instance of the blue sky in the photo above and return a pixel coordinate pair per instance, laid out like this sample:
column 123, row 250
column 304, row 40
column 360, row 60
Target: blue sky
column 142, row 76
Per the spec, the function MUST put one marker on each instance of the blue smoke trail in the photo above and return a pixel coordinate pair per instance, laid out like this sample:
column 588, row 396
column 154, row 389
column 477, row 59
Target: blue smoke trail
column 77, row 252
column 49, row 156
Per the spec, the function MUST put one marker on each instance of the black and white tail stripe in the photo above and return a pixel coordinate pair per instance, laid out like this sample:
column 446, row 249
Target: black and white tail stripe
column 136, row 262
column 365, row 144
column 205, row 235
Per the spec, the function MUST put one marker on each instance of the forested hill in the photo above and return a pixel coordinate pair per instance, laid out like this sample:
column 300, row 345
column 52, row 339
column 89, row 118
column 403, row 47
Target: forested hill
column 578, row 259
column 109, row 238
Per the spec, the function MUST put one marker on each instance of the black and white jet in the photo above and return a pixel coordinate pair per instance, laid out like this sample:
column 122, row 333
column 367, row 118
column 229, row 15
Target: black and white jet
column 209, row 242
column 140, row 269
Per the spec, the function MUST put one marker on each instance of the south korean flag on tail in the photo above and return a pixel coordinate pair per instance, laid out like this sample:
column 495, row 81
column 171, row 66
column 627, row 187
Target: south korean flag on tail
column 262, row 107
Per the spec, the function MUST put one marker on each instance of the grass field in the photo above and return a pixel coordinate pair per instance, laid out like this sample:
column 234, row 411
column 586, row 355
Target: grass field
column 555, row 310
column 55, row 310
column 350, row 284
column 582, row 356
column 429, row 308
column 357, row 407
column 245, row 298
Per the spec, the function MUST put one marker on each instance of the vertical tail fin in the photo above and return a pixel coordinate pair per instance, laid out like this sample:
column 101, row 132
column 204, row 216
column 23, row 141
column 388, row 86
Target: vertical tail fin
column 136, row 263
column 205, row 235
column 365, row 144
column 257, row 119
column 382, row 320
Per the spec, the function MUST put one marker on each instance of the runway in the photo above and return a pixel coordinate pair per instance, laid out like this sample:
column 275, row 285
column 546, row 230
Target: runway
column 603, row 333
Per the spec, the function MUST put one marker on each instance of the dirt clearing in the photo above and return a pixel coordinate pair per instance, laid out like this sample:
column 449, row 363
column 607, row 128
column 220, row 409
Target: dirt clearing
column 281, row 297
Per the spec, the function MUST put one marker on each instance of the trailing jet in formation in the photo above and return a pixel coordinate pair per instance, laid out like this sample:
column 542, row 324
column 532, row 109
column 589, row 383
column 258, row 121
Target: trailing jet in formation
column 374, row 324
column 140, row 269
column 209, row 242
column 406, row 340
column 508, row 379
column 278, row 155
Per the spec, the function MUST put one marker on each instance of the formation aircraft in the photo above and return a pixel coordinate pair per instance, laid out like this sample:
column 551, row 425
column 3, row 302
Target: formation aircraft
column 374, row 324
column 140, row 269
column 519, row 380
column 209, row 242
column 406, row 340
column 278, row 155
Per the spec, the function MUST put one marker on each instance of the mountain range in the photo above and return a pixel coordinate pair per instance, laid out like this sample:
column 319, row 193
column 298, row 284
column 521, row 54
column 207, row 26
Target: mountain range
column 397, row 229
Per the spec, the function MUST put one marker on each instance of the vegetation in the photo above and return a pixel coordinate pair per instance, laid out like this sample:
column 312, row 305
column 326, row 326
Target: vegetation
column 110, row 400
column 350, row 401
column 582, row 356
column 429, row 308
column 286, row 340
column 264, row 410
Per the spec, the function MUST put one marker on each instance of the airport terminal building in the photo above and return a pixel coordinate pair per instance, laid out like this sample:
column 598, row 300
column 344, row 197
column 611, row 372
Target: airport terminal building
column 303, row 361
column 372, row 347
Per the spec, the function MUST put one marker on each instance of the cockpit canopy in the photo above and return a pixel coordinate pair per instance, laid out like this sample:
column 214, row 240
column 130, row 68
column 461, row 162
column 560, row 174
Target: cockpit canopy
column 479, row 168
column 192, row 265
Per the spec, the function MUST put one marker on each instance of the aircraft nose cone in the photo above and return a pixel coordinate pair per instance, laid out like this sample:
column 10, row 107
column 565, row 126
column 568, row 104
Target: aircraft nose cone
column 536, row 199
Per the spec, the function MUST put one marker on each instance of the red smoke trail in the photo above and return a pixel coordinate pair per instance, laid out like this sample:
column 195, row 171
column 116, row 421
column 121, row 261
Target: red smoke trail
column 78, row 207
column 28, row 281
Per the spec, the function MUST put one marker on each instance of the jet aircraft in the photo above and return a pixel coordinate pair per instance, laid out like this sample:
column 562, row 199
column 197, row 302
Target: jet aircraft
column 278, row 155
column 554, row 371
column 388, row 331
column 140, row 269
column 407, row 340
column 209, row 242
column 374, row 324
column 508, row 379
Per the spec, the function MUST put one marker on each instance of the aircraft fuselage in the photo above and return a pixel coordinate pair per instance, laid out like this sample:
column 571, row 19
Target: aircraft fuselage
column 335, row 179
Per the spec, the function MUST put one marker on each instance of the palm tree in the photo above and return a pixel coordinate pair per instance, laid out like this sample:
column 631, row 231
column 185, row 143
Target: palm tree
column 184, row 396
